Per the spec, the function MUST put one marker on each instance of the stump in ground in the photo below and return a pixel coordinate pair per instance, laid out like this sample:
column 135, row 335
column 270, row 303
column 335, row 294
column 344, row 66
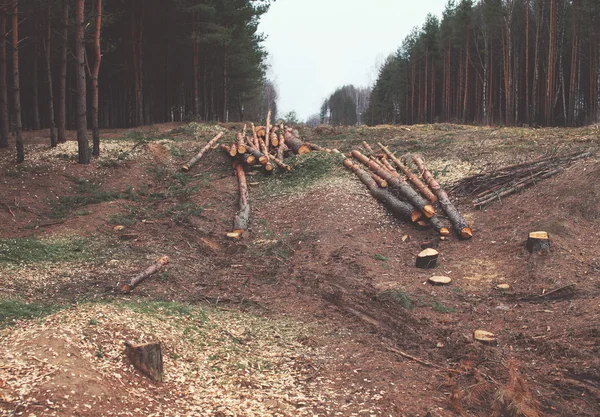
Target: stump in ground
column 147, row 359
column 427, row 258
column 538, row 242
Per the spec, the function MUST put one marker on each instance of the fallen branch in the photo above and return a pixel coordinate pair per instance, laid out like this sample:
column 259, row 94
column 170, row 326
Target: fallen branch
column 242, row 217
column 135, row 281
column 187, row 166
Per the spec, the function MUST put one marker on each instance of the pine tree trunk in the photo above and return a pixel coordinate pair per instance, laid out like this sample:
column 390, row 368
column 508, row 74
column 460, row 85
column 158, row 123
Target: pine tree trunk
column 195, row 64
column 16, row 85
column 527, row 104
column 551, row 63
column 137, row 33
column 466, row 95
column 81, row 107
column 35, row 87
column 95, row 74
column 4, row 130
column 536, row 61
column 62, row 81
column 225, row 84
column 47, row 46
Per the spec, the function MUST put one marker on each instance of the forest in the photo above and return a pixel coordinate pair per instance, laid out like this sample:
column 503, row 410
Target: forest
column 506, row 62
column 68, row 64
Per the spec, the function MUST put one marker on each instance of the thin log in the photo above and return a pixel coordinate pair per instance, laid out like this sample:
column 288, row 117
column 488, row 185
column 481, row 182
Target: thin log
column 460, row 224
column 388, row 166
column 397, row 207
column 260, row 157
column 295, row 144
column 241, row 146
column 254, row 137
column 147, row 359
column 380, row 181
column 242, row 217
column 280, row 163
column 135, row 281
column 263, row 146
column 268, row 131
column 187, row 166
column 411, row 195
column 318, row 148
column 274, row 140
column 420, row 185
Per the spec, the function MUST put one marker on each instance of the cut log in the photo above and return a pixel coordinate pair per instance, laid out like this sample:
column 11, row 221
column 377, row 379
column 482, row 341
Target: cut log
column 241, row 146
column 269, row 167
column 503, row 287
column 380, row 181
column 419, row 185
column 393, row 181
column 249, row 159
column 135, row 281
column 398, row 208
column 460, row 224
column 274, row 140
column 388, row 166
column 254, row 137
column 538, row 242
column 260, row 131
column 280, row 163
column 147, row 359
column 439, row 280
column 485, row 337
column 187, row 166
column 242, row 217
column 263, row 146
column 427, row 258
column 318, row 148
column 233, row 150
column 295, row 144
column 260, row 157
column 268, row 131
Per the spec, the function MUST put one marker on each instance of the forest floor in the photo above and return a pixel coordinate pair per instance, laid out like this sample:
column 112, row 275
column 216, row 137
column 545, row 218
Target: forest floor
column 306, row 316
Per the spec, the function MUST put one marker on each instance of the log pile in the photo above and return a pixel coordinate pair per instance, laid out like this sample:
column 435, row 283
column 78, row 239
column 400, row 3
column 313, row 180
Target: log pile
column 491, row 186
column 419, row 191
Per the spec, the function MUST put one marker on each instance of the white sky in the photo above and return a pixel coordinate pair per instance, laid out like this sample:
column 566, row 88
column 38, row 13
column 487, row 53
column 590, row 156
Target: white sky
column 316, row 46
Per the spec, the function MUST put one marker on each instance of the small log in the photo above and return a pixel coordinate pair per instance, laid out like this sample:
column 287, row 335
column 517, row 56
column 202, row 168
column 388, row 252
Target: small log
column 460, row 224
column 242, row 217
column 263, row 146
column 249, row 159
column 254, row 137
column 422, row 187
column 318, row 148
column 269, row 167
column 280, row 163
column 295, row 144
column 187, row 166
column 135, row 281
column 241, row 146
column 538, row 242
column 380, row 181
column 233, row 150
column 427, row 258
column 268, row 131
column 388, row 166
column 415, row 199
column 485, row 337
column 260, row 157
column 147, row 359
column 274, row 140
column 397, row 207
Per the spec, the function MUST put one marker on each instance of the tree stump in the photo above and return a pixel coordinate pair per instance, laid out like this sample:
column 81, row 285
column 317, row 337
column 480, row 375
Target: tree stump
column 439, row 280
column 427, row 258
column 538, row 242
column 147, row 359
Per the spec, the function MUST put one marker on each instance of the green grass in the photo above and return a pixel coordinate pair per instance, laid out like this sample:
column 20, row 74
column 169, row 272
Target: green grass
column 401, row 297
column 440, row 308
column 12, row 310
column 168, row 308
column 379, row 257
column 128, row 219
column 31, row 250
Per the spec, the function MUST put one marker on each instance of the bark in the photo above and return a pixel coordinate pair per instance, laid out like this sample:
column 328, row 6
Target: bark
column 460, row 224
column 16, row 85
column 242, row 217
column 422, row 187
column 397, row 207
column 195, row 65
column 295, row 144
column 128, row 286
column 4, row 131
column 538, row 242
column 241, row 146
column 260, row 157
column 35, row 87
column 268, row 130
column 393, row 181
column 280, row 163
column 81, row 108
column 147, row 359
column 225, row 84
column 47, row 45
column 536, row 61
column 61, row 121
column 187, row 166
column 95, row 73
column 527, row 104
column 550, row 79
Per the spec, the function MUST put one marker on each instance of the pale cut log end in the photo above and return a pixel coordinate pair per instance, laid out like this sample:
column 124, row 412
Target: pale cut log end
column 303, row 149
column 485, row 337
column 444, row 231
column 423, row 224
column 237, row 234
column 383, row 184
column 233, row 152
column 466, row 233
column 264, row 160
column 427, row 258
column 241, row 149
column 251, row 160
column 538, row 242
column 415, row 216
column 439, row 280
column 185, row 168
column 126, row 288
column 269, row 167
column 429, row 211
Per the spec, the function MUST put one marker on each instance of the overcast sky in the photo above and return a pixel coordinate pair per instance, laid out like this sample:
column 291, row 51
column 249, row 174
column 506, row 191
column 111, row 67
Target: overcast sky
column 316, row 46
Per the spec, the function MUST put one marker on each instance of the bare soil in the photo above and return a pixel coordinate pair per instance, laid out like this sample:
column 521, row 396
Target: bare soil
column 323, row 256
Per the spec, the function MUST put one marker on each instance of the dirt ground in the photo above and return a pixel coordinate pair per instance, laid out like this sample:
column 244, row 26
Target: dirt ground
column 319, row 310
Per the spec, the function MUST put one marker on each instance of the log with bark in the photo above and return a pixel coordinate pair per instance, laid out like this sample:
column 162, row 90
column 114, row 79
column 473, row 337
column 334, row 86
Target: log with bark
column 135, row 281
column 241, row 146
column 460, row 224
column 380, row 181
column 254, row 137
column 260, row 157
column 242, row 217
column 187, row 166
column 280, row 163
column 389, row 166
column 393, row 181
column 295, row 143
column 233, row 150
column 419, row 185
column 147, row 359
column 397, row 207
column 318, row 148
column 538, row 242
column 274, row 140
column 427, row 258
column 268, row 131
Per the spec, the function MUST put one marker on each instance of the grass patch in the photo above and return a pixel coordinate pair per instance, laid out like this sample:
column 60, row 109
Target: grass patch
column 181, row 212
column 128, row 219
column 379, row 257
column 32, row 250
column 167, row 308
column 13, row 310
column 399, row 296
column 440, row 308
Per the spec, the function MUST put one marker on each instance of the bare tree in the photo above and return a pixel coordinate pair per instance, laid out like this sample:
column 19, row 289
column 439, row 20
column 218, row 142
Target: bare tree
column 81, row 119
column 16, row 84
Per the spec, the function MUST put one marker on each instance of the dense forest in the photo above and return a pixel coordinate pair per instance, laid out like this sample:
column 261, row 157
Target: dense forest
column 118, row 63
column 511, row 62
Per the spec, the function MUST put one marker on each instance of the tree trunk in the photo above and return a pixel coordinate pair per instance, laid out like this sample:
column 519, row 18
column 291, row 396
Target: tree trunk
column 550, row 79
column 95, row 73
column 466, row 95
column 527, row 104
column 137, row 33
column 62, row 81
column 147, row 359
column 16, row 85
column 536, row 61
column 225, row 84
column 195, row 64
column 4, row 130
column 460, row 224
column 81, row 108
column 37, row 125
column 47, row 46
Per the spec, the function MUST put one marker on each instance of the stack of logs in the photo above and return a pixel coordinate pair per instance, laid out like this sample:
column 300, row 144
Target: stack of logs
column 412, row 198
column 264, row 146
